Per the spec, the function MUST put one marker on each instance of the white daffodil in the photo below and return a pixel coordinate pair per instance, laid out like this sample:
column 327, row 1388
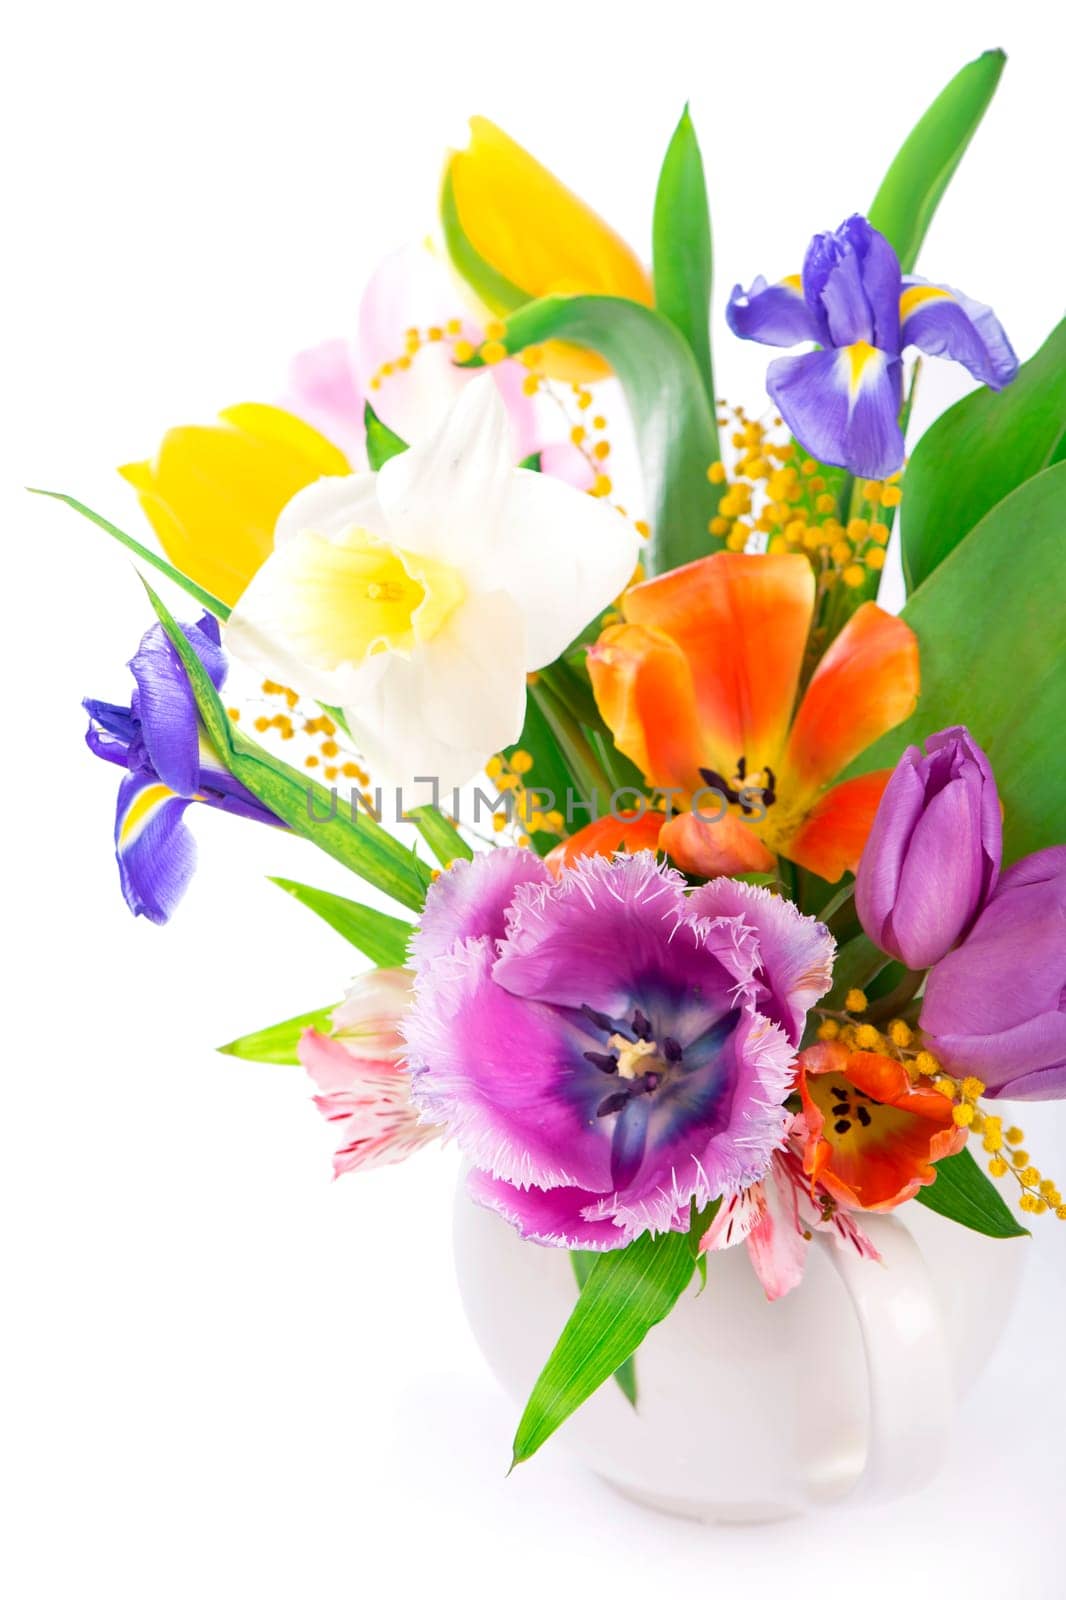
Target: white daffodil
column 419, row 597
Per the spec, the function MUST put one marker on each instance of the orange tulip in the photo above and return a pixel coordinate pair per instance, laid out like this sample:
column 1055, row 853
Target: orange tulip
column 698, row 686
column 629, row 831
column 873, row 1135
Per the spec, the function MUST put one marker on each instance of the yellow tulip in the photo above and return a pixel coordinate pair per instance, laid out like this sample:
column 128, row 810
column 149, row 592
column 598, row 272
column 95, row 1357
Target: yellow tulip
column 516, row 233
column 213, row 494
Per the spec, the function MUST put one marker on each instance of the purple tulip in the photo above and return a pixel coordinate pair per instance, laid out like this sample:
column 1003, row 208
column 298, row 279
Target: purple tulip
column 934, row 850
column 996, row 1006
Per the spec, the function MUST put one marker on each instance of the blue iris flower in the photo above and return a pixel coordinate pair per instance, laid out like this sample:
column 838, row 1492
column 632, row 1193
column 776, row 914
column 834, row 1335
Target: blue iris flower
column 842, row 401
column 170, row 762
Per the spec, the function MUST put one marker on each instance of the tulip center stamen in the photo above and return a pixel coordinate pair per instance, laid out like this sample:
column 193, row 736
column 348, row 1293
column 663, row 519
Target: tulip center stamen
column 633, row 1056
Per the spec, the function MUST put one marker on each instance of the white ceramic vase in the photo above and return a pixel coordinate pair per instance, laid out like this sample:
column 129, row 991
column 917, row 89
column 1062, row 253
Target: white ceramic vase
column 750, row 1410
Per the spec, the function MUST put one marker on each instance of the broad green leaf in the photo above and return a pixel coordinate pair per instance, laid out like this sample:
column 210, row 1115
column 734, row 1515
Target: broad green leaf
column 681, row 246
column 381, row 443
column 217, row 608
column 491, row 287
column 976, row 453
column 381, row 938
column 962, row 1192
column 441, row 834
column 677, row 437
column 625, row 1376
column 627, row 1292
column 916, row 180
column 991, row 626
column 277, row 1044
column 358, row 842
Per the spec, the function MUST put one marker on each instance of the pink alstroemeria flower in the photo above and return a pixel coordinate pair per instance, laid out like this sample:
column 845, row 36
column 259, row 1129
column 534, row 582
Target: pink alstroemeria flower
column 777, row 1217
column 360, row 1070
column 412, row 288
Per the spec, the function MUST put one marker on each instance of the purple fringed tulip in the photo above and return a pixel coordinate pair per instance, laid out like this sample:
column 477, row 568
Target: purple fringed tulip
column 842, row 401
column 996, row 1006
column 608, row 1047
column 933, row 854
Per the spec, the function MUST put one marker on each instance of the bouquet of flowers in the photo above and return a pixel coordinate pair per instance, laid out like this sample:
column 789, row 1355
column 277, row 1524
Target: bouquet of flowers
column 728, row 903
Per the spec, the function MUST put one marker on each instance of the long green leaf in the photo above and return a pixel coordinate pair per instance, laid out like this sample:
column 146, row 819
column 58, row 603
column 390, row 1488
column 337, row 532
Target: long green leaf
column 627, row 1292
column 991, row 625
column 381, row 938
column 681, row 246
column 977, row 453
column 362, row 845
column 381, row 443
column 962, row 1192
column 915, row 182
column 277, row 1044
column 625, row 1376
column 677, row 437
column 217, row 607
column 441, row 834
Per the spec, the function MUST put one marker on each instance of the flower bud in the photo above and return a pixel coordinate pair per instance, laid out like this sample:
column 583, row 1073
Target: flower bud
column 933, row 854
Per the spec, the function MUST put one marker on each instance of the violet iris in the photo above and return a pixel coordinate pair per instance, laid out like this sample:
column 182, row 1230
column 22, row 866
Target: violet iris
column 842, row 401
column 169, row 763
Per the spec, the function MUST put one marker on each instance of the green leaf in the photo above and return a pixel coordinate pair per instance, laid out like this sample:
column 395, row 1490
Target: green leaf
column 362, row 845
column 681, row 246
column 977, row 453
column 674, row 421
column 277, row 1044
column 381, row 938
column 625, row 1376
column 916, row 180
column 991, row 625
column 962, row 1192
column 587, row 779
column 549, row 771
column 857, row 963
column 491, row 287
column 381, row 443
column 217, row 607
column 627, row 1292
column 441, row 834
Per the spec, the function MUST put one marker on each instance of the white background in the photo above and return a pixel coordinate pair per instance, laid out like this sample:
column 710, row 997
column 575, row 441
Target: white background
column 224, row 1376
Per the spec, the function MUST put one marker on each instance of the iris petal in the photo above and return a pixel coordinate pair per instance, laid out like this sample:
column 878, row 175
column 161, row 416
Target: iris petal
column 772, row 313
column 843, row 406
column 944, row 322
column 155, row 851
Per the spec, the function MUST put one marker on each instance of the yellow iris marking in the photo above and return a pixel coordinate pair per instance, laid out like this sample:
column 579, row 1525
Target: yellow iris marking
column 141, row 809
column 793, row 282
column 918, row 295
column 859, row 357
